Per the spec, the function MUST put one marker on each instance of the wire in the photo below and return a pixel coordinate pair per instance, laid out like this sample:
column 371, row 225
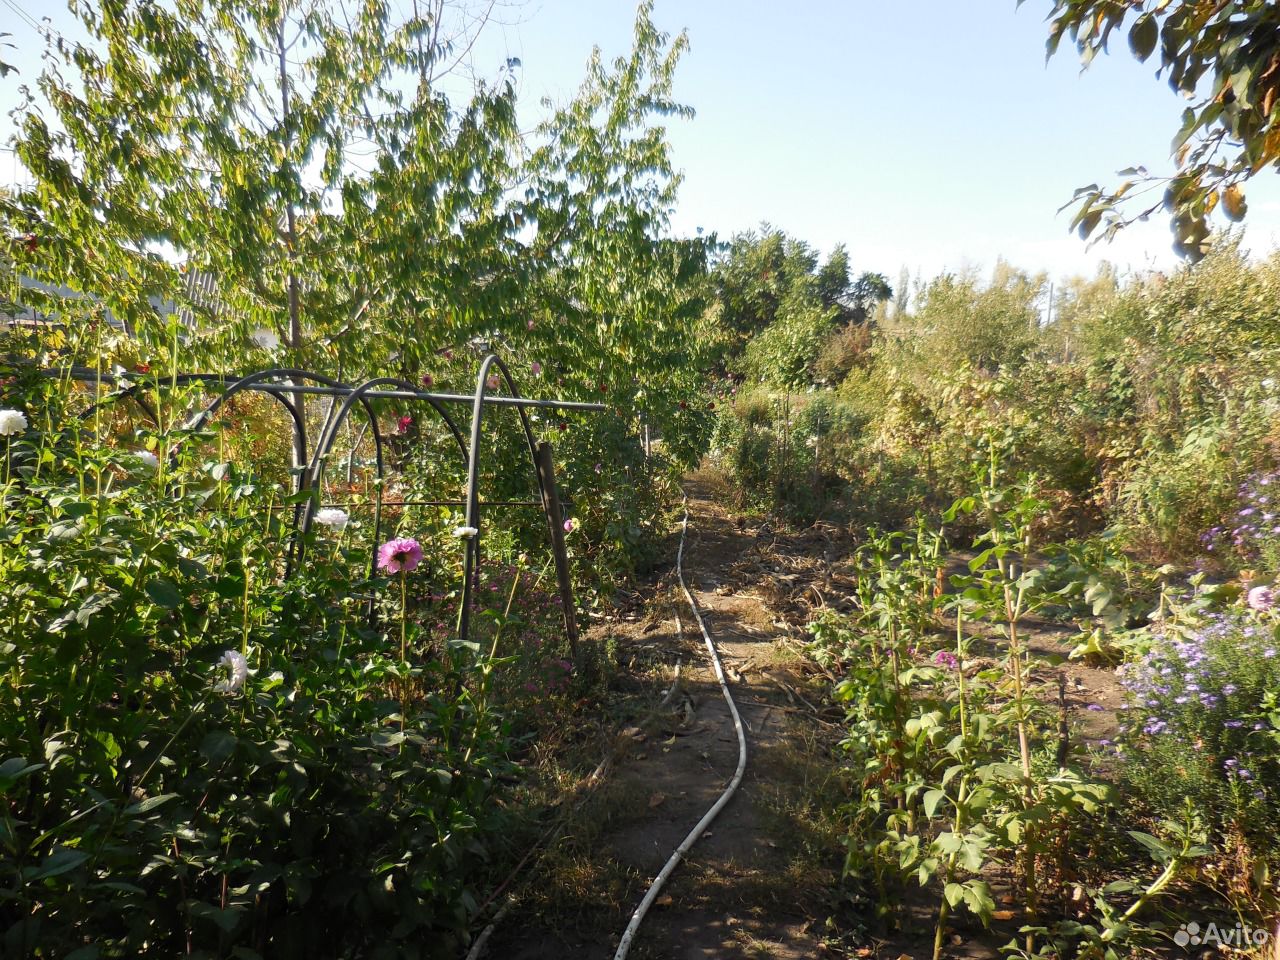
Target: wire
column 624, row 945
column 23, row 14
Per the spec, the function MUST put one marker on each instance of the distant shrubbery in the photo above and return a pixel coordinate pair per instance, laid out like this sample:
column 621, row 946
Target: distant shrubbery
column 1142, row 405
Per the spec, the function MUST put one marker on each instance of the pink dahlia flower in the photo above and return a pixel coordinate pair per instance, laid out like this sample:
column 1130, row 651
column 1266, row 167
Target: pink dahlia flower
column 1262, row 598
column 402, row 553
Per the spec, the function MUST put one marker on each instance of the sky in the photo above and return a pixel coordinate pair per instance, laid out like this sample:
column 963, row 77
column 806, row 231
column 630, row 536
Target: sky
column 925, row 134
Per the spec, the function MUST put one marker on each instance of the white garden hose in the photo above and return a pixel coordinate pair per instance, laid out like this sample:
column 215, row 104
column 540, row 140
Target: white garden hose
column 624, row 946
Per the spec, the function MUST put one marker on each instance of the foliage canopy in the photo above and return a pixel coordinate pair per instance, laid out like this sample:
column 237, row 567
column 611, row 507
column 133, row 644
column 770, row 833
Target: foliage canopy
column 1225, row 59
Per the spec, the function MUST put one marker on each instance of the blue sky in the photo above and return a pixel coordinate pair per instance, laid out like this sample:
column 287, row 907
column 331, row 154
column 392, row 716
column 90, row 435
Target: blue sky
column 921, row 133
column 924, row 133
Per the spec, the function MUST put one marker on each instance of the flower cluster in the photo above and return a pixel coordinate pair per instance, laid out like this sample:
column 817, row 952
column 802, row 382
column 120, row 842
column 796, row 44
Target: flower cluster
column 947, row 659
column 1255, row 525
column 1206, row 689
column 555, row 678
column 1261, row 598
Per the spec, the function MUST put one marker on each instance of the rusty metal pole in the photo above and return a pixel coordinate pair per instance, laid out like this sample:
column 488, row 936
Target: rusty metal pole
column 555, row 521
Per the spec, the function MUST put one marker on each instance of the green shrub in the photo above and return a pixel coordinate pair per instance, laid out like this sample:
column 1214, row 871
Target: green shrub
column 1203, row 727
column 200, row 756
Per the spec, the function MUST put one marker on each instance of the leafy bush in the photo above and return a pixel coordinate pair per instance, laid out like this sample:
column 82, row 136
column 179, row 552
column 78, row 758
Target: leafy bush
column 785, row 352
column 1204, row 726
column 785, row 451
column 1172, row 497
column 200, row 755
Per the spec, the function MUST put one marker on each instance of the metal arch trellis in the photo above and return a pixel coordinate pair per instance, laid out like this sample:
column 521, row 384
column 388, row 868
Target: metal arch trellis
column 288, row 386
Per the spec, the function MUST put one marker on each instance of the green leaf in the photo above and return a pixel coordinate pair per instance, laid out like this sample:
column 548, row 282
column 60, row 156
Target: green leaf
column 931, row 800
column 977, row 897
column 1143, row 36
column 63, row 860
column 227, row 919
column 1159, row 851
column 14, row 769
column 147, row 805
column 163, row 594
column 217, row 745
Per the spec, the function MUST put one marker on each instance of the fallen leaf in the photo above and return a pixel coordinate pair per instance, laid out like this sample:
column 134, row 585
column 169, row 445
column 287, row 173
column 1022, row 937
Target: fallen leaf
column 656, row 800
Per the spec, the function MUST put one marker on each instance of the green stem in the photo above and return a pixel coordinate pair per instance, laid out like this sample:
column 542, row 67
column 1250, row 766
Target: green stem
column 244, row 607
column 4, row 491
column 486, row 671
column 404, row 646
column 944, row 908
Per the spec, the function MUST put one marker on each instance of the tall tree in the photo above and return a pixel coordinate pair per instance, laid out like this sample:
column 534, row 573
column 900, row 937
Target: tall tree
column 212, row 135
column 834, row 278
column 1225, row 59
column 902, row 294
column 338, row 198
column 868, row 292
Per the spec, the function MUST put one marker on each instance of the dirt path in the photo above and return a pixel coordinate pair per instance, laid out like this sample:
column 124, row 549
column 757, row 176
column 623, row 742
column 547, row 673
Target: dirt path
column 764, row 880
column 754, row 884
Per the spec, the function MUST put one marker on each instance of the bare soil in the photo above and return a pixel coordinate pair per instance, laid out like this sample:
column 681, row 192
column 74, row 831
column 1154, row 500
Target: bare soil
column 765, row 880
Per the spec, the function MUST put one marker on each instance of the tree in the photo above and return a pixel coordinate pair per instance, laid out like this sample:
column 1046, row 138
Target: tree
column 213, row 136
column 1225, row 58
column 901, row 295
column 868, row 291
column 834, row 278
column 960, row 320
column 758, row 272
column 308, row 163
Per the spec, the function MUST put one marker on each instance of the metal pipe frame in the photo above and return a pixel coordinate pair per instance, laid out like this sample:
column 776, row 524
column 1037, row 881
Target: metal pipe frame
column 282, row 384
